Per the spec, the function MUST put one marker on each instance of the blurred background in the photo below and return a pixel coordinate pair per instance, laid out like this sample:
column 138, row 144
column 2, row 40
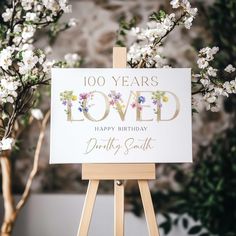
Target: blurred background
column 192, row 199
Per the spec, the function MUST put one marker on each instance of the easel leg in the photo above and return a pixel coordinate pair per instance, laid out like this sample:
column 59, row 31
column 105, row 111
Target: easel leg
column 88, row 208
column 148, row 208
column 119, row 208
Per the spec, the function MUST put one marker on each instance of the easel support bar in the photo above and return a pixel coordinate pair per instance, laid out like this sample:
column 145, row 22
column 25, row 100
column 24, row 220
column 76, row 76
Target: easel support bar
column 118, row 171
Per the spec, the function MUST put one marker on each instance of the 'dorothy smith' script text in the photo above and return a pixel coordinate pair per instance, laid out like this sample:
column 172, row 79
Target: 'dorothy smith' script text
column 114, row 145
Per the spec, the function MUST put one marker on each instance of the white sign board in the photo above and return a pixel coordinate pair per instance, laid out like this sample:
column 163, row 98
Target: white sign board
column 121, row 116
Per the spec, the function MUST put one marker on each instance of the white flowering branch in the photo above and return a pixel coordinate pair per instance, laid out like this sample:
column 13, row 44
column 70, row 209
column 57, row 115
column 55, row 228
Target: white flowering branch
column 23, row 68
column 147, row 52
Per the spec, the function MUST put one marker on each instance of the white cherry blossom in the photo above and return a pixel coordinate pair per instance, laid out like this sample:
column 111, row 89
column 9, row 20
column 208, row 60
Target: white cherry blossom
column 230, row 68
column 212, row 71
column 72, row 58
column 6, row 144
column 72, row 22
column 28, row 32
column 188, row 22
column 202, row 63
column 175, row 3
column 230, row 86
column 7, row 15
column 31, row 16
column 27, row 4
column 64, row 6
column 37, row 114
column 29, row 59
column 5, row 58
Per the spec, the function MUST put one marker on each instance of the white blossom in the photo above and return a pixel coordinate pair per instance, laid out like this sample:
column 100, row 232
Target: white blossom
column 5, row 58
column 51, row 5
column 209, row 53
column 230, row 86
column 71, row 58
column 39, row 7
column 48, row 50
column 27, row 4
column 9, row 85
column 175, row 3
column 211, row 100
column 7, row 15
column 6, row 144
column 37, row 114
column 64, row 6
column 31, row 16
column 202, row 63
column 72, row 22
column 192, row 11
column 211, row 71
column 168, row 23
column 135, row 31
column 229, row 68
column 215, row 108
column 156, row 32
column 47, row 65
column 29, row 59
column 219, row 91
column 188, row 22
column 28, row 32
column 210, row 97
column 134, row 53
column 205, row 82
column 8, row 89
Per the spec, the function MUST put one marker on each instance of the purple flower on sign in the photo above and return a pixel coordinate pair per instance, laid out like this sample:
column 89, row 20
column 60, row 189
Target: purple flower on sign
column 141, row 99
column 64, row 103
column 83, row 96
column 115, row 98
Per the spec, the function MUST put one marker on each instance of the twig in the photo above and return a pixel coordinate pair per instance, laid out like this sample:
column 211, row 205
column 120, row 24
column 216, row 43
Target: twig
column 159, row 40
column 34, row 170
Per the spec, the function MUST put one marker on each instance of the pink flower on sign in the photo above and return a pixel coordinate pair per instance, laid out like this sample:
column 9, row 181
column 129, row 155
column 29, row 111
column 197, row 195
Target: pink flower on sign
column 112, row 103
column 115, row 98
column 83, row 96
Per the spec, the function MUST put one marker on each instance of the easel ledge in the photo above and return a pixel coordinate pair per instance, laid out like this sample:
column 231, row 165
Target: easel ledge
column 118, row 172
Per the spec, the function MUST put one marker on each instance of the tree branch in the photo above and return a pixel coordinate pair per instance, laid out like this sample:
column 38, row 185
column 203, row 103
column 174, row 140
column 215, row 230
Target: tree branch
column 9, row 206
column 34, row 170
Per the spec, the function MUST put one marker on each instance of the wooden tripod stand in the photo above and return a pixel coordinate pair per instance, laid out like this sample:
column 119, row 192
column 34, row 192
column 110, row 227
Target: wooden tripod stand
column 118, row 172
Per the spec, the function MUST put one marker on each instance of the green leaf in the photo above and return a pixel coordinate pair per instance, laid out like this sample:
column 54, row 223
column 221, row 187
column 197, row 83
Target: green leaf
column 120, row 43
column 157, row 16
column 195, row 229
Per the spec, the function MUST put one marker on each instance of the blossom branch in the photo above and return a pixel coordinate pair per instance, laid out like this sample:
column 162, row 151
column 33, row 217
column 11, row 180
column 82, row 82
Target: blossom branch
column 146, row 52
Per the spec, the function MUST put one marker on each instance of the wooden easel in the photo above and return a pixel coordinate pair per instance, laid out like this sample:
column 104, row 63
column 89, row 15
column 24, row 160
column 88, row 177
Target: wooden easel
column 118, row 172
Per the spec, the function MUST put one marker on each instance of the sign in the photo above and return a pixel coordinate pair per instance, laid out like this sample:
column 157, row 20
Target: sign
column 121, row 116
